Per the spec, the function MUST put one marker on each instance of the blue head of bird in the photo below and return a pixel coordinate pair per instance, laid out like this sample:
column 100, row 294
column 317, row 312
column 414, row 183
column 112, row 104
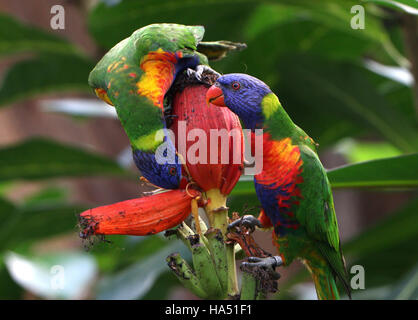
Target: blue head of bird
column 242, row 94
column 163, row 175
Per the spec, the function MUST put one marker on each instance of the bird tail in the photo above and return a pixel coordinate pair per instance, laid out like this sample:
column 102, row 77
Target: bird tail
column 324, row 279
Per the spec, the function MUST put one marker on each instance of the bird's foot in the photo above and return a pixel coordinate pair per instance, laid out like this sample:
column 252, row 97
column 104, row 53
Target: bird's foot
column 264, row 270
column 269, row 264
column 203, row 74
column 238, row 233
column 247, row 221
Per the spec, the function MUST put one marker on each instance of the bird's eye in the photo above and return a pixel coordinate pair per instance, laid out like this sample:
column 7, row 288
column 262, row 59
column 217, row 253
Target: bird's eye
column 235, row 85
column 172, row 171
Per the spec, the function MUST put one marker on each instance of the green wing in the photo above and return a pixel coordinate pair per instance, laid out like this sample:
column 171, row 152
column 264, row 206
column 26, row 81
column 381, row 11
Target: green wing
column 136, row 73
column 317, row 212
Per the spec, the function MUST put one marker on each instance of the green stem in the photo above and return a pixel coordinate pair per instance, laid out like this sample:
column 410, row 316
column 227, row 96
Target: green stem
column 217, row 210
column 185, row 274
column 232, row 271
column 218, row 218
column 248, row 287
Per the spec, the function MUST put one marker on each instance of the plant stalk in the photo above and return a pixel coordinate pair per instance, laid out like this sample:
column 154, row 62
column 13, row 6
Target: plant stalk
column 218, row 218
column 232, row 271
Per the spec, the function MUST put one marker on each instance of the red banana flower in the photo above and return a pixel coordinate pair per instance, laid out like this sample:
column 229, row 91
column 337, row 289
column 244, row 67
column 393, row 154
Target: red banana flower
column 139, row 217
column 222, row 157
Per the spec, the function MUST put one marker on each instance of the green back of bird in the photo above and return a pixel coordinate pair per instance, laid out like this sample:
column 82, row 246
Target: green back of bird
column 136, row 73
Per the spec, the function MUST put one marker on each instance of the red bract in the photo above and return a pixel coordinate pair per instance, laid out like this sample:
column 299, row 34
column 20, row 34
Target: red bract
column 192, row 112
column 139, row 217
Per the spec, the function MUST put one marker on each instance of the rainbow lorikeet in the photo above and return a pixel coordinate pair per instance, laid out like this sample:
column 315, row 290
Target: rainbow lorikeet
column 292, row 187
column 135, row 76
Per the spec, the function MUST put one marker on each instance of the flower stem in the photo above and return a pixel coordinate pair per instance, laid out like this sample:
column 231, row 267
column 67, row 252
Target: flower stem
column 248, row 287
column 232, row 271
column 217, row 210
column 218, row 218
column 186, row 275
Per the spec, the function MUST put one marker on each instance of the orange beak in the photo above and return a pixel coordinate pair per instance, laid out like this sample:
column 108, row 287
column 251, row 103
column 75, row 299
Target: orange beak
column 215, row 96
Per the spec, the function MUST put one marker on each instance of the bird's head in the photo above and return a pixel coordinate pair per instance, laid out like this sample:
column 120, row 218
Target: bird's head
column 163, row 175
column 242, row 94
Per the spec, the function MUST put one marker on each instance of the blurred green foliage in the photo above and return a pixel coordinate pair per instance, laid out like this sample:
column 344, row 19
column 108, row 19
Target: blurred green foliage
column 309, row 55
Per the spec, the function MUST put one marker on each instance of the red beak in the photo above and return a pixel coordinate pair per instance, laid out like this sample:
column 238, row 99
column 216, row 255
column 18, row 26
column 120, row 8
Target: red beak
column 215, row 96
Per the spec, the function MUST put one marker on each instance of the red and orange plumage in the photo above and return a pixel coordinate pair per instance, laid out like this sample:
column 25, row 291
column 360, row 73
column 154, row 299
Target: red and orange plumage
column 278, row 184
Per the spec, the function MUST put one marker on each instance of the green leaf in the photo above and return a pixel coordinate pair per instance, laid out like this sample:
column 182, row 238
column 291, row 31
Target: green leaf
column 397, row 228
column 245, row 186
column 25, row 225
column 9, row 290
column 407, row 288
column 111, row 24
column 40, row 159
column 122, row 251
column 244, row 204
column 16, row 37
column 5, row 207
column 45, row 74
column 243, row 198
column 333, row 15
column 137, row 279
column 408, row 6
column 395, row 172
column 162, row 287
column 387, row 250
column 47, row 195
column 342, row 89
column 5, row 187
column 359, row 151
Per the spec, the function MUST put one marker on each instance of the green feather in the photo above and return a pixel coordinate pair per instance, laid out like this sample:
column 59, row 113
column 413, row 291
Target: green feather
column 138, row 115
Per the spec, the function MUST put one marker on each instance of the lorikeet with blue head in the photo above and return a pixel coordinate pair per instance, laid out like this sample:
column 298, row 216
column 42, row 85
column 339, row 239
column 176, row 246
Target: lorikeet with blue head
column 293, row 187
column 135, row 76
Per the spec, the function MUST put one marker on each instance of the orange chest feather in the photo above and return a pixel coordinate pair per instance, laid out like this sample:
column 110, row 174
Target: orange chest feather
column 282, row 163
column 159, row 71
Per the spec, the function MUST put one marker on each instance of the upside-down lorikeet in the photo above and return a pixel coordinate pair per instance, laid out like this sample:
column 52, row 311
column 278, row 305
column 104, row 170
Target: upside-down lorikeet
column 293, row 187
column 135, row 75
